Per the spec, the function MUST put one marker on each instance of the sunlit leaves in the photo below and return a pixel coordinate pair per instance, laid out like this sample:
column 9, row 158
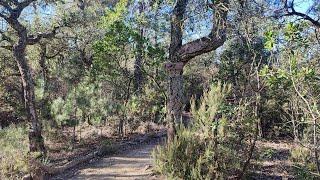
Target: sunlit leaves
column 285, row 76
column 270, row 39
column 114, row 14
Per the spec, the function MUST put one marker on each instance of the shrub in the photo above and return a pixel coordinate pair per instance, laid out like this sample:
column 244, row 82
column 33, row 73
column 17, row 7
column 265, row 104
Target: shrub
column 304, row 165
column 300, row 154
column 210, row 148
column 107, row 148
column 13, row 152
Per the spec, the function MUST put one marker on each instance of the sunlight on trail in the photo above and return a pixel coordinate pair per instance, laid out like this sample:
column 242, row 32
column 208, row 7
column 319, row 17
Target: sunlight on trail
column 133, row 165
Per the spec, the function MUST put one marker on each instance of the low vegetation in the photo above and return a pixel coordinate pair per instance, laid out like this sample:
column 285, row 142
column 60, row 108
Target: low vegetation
column 212, row 146
column 13, row 152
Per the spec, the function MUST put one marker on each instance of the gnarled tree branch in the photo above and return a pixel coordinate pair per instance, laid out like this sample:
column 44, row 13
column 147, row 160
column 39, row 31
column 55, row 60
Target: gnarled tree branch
column 216, row 38
column 31, row 40
column 291, row 11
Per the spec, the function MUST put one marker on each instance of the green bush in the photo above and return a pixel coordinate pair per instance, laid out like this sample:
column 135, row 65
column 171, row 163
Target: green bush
column 210, row 149
column 181, row 157
column 13, row 152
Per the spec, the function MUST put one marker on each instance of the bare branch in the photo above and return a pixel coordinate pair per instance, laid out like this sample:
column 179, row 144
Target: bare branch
column 3, row 16
column 31, row 40
column 20, row 7
column 176, row 28
column 25, row 4
column 5, row 5
column 290, row 11
column 211, row 42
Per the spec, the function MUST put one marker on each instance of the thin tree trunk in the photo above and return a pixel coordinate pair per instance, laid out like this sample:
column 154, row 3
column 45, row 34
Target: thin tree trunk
column 80, row 133
column 314, row 118
column 250, row 153
column 138, row 62
column 120, row 127
column 74, row 135
column 45, row 106
column 315, row 144
column 294, row 124
column 36, row 142
column 75, row 120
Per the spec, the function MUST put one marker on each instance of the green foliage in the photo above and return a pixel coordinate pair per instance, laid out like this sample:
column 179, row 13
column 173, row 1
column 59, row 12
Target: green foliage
column 301, row 172
column 239, row 58
column 210, row 148
column 114, row 14
column 267, row 153
column 294, row 83
column 187, row 157
column 303, row 163
column 86, row 100
column 270, row 39
column 113, row 61
column 209, row 107
column 150, row 105
column 291, row 71
column 300, row 154
column 293, row 33
column 13, row 152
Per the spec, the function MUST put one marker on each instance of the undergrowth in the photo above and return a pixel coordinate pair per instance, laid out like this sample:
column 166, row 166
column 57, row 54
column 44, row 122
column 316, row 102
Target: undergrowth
column 13, row 152
column 212, row 148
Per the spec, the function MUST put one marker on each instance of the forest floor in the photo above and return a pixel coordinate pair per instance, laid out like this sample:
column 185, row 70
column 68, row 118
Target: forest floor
column 272, row 161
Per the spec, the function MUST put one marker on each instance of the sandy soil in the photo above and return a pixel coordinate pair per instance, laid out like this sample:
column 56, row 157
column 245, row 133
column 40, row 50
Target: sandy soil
column 133, row 164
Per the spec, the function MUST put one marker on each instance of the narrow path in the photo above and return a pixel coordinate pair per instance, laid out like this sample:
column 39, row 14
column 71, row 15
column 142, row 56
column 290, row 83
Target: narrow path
column 272, row 161
column 135, row 164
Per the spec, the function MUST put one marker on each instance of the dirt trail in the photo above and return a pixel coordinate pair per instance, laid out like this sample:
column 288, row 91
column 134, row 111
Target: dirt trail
column 272, row 161
column 133, row 164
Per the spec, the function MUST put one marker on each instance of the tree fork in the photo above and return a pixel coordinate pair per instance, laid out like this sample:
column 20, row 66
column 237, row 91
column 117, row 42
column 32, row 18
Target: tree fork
column 180, row 54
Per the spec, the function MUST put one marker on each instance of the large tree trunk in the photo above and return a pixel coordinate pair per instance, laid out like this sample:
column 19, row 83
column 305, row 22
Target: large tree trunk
column 36, row 143
column 175, row 97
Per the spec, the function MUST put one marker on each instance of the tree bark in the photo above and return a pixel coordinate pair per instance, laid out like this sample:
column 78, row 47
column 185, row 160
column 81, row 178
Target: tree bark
column 36, row 142
column 138, row 78
column 175, row 97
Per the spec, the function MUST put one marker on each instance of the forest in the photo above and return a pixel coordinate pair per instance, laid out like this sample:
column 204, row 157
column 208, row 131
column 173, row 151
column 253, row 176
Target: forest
column 159, row 89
